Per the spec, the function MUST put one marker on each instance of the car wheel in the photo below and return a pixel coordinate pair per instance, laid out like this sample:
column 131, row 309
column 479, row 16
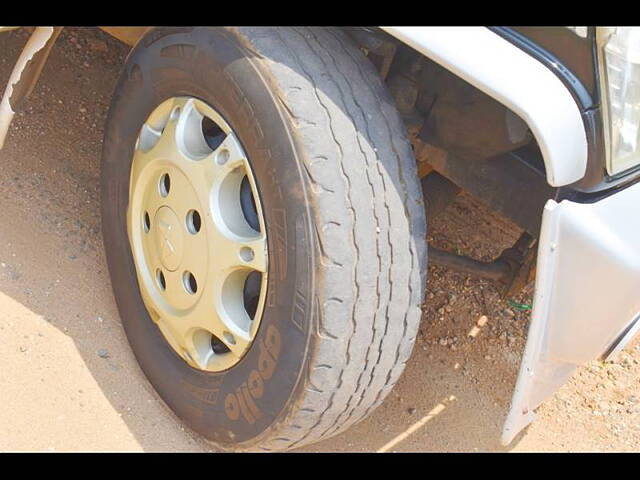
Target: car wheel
column 264, row 230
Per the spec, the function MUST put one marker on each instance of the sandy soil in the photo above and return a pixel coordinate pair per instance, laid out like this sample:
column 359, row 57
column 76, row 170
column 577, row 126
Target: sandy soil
column 68, row 380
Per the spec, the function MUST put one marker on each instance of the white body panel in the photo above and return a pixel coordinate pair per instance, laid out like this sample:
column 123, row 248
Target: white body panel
column 586, row 303
column 516, row 80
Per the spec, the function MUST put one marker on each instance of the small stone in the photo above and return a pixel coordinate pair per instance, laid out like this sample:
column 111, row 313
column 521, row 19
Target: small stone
column 97, row 45
column 102, row 353
column 23, row 349
column 411, row 410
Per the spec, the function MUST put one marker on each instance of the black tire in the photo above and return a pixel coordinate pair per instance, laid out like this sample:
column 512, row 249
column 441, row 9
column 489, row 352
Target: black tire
column 345, row 226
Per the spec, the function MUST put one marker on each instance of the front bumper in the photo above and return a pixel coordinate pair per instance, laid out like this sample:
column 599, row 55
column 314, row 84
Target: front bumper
column 587, row 299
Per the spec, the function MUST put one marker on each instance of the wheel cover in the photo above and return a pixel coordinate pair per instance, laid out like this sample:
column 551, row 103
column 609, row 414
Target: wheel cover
column 201, row 267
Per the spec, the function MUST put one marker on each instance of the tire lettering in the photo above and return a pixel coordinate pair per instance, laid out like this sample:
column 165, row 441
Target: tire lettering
column 253, row 408
column 243, row 401
column 273, row 341
column 256, row 384
column 243, row 408
column 266, row 363
column 231, row 407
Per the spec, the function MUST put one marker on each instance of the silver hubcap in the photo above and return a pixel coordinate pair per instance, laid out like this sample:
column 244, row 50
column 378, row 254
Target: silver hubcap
column 197, row 234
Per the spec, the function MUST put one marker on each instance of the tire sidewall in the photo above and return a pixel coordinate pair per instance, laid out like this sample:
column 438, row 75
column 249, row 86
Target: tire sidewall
column 239, row 405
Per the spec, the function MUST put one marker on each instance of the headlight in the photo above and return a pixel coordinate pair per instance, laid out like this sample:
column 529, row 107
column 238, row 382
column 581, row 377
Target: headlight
column 619, row 62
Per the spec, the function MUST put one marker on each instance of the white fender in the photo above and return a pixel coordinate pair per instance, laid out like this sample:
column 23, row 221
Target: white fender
column 518, row 81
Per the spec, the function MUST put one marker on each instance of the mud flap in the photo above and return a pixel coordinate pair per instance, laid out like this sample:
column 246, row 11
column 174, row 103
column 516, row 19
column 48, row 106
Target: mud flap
column 586, row 302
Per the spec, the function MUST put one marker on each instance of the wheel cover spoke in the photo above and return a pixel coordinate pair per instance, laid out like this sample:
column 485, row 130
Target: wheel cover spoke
column 192, row 245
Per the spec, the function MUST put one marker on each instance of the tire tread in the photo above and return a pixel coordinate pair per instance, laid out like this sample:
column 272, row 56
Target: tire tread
column 370, row 241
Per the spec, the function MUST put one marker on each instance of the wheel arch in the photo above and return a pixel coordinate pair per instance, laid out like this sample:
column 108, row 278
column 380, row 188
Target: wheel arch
column 528, row 88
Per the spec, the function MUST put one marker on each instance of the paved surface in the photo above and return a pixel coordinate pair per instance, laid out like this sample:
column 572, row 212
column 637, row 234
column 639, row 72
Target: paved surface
column 68, row 380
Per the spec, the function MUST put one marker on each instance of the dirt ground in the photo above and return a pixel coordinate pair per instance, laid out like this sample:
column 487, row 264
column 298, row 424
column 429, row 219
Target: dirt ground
column 69, row 382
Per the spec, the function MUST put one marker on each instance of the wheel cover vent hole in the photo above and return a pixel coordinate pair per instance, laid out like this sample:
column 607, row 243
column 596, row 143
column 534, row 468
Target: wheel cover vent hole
column 251, row 293
column 241, row 217
column 212, row 133
column 190, row 284
column 146, row 222
column 165, row 185
column 194, row 222
column 161, row 280
column 248, row 204
column 218, row 346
